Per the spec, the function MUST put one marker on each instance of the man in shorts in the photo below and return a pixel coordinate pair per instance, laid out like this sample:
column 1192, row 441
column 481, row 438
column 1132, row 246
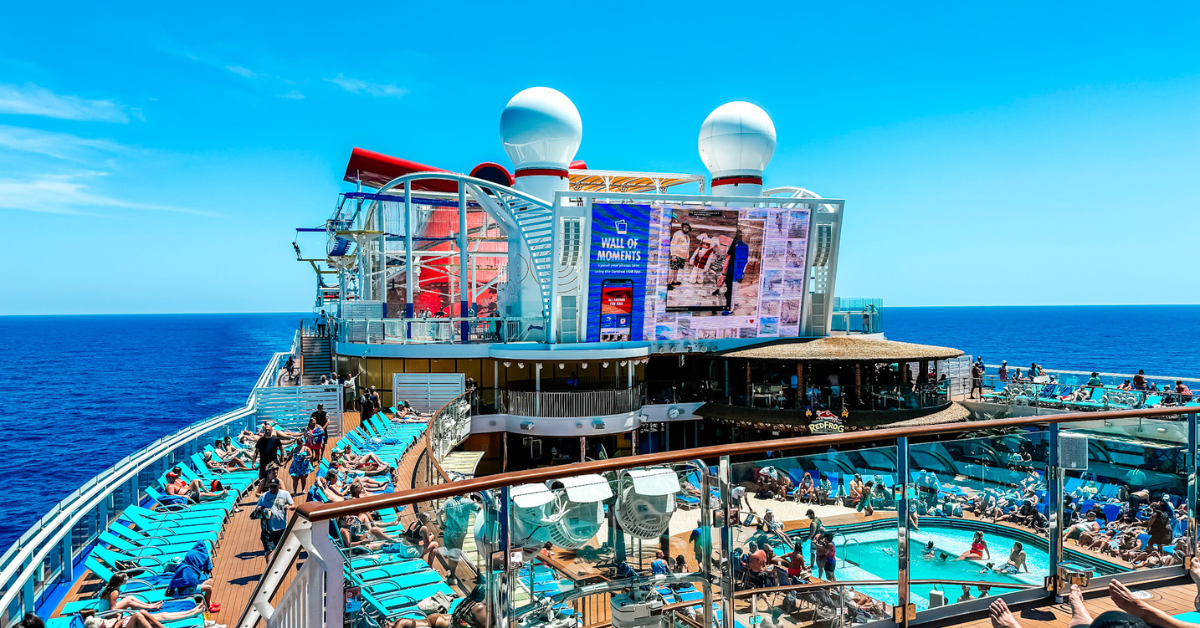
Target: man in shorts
column 268, row 451
column 456, row 513
column 275, row 504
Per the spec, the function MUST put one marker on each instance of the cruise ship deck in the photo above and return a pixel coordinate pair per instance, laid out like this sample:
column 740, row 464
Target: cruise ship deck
column 579, row 398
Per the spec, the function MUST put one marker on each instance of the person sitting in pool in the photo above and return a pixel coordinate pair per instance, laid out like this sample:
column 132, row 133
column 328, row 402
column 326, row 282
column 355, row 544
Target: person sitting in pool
column 768, row 523
column 979, row 549
column 942, row 557
column 1016, row 560
column 929, row 551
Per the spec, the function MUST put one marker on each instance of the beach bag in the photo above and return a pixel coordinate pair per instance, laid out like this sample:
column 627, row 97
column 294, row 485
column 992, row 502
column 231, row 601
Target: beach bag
column 258, row 513
column 789, row 603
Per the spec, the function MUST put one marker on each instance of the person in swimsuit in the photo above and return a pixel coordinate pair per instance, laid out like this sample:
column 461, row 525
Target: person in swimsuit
column 795, row 564
column 193, row 491
column 1016, row 560
column 216, row 463
column 830, row 557
column 368, row 463
column 979, row 549
column 111, row 600
column 470, row 614
column 356, row 533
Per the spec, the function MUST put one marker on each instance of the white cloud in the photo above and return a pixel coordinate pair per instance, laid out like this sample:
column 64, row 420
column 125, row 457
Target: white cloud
column 240, row 71
column 49, row 194
column 57, row 145
column 37, row 101
column 292, row 95
column 357, row 86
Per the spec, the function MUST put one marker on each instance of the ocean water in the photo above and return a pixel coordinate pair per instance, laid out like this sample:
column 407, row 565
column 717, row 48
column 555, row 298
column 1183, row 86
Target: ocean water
column 1112, row 339
column 81, row 392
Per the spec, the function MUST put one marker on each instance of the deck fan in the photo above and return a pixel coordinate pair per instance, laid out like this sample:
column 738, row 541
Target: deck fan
column 579, row 509
column 646, row 501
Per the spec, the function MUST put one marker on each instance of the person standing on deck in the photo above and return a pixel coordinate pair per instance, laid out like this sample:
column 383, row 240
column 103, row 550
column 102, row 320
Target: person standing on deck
column 376, row 404
column 275, row 504
column 364, row 405
column 268, row 451
column 1004, row 371
column 322, row 323
column 976, row 379
column 322, row 418
column 457, row 513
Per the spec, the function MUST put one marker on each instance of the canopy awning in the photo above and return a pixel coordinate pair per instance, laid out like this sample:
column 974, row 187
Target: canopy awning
column 844, row 349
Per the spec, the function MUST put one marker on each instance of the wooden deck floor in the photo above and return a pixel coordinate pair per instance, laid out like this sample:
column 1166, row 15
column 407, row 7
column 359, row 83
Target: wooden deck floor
column 238, row 561
column 1173, row 597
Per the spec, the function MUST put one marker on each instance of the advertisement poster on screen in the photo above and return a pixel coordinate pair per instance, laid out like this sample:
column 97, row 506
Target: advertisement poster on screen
column 617, row 272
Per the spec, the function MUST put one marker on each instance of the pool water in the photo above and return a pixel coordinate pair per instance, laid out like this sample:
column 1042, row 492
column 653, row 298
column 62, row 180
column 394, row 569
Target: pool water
column 873, row 557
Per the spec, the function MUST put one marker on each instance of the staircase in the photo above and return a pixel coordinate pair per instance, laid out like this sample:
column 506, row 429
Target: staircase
column 316, row 360
column 532, row 217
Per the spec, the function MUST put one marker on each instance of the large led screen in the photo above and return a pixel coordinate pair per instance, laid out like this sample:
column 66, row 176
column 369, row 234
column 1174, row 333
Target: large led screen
column 696, row 273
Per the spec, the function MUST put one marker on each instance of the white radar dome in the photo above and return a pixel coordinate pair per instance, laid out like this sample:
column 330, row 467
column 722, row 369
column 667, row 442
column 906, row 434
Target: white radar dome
column 737, row 139
column 541, row 128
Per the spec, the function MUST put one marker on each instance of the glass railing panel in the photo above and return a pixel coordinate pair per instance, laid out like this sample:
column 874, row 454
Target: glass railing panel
column 637, row 535
column 1128, row 506
column 818, row 518
column 980, row 513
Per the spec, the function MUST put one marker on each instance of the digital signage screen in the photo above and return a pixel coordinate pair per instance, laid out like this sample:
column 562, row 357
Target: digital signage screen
column 666, row 272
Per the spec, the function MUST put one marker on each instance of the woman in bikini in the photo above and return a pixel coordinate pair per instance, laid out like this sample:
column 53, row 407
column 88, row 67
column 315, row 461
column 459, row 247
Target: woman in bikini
column 979, row 549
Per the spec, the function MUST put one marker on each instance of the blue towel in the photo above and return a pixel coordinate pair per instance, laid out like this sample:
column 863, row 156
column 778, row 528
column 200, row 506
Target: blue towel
column 194, row 570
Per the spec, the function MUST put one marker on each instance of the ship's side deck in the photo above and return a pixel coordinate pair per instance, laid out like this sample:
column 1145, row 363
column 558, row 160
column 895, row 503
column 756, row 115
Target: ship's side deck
column 238, row 561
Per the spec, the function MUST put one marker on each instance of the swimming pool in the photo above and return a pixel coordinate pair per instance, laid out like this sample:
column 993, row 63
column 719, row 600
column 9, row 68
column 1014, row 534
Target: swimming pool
column 871, row 555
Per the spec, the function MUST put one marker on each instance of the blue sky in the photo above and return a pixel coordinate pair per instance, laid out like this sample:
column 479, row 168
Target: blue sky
column 156, row 158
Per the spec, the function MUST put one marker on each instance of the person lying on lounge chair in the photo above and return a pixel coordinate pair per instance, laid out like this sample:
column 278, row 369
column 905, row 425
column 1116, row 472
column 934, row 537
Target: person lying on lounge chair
column 333, row 489
column 193, row 490
column 225, row 450
column 357, row 531
column 232, row 464
column 367, row 486
column 283, row 434
column 137, row 619
column 367, row 463
column 407, row 410
column 470, row 614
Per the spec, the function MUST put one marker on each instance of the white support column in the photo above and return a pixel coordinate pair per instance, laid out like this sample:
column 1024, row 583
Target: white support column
column 462, row 261
column 408, row 258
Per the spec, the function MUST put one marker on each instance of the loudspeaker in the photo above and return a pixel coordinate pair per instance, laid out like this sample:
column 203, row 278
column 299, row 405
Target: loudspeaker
column 1073, row 451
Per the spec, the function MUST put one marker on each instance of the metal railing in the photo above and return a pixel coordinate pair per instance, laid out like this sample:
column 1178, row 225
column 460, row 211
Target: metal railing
column 957, row 451
column 1057, row 396
column 442, row 330
column 582, row 403
column 44, row 555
